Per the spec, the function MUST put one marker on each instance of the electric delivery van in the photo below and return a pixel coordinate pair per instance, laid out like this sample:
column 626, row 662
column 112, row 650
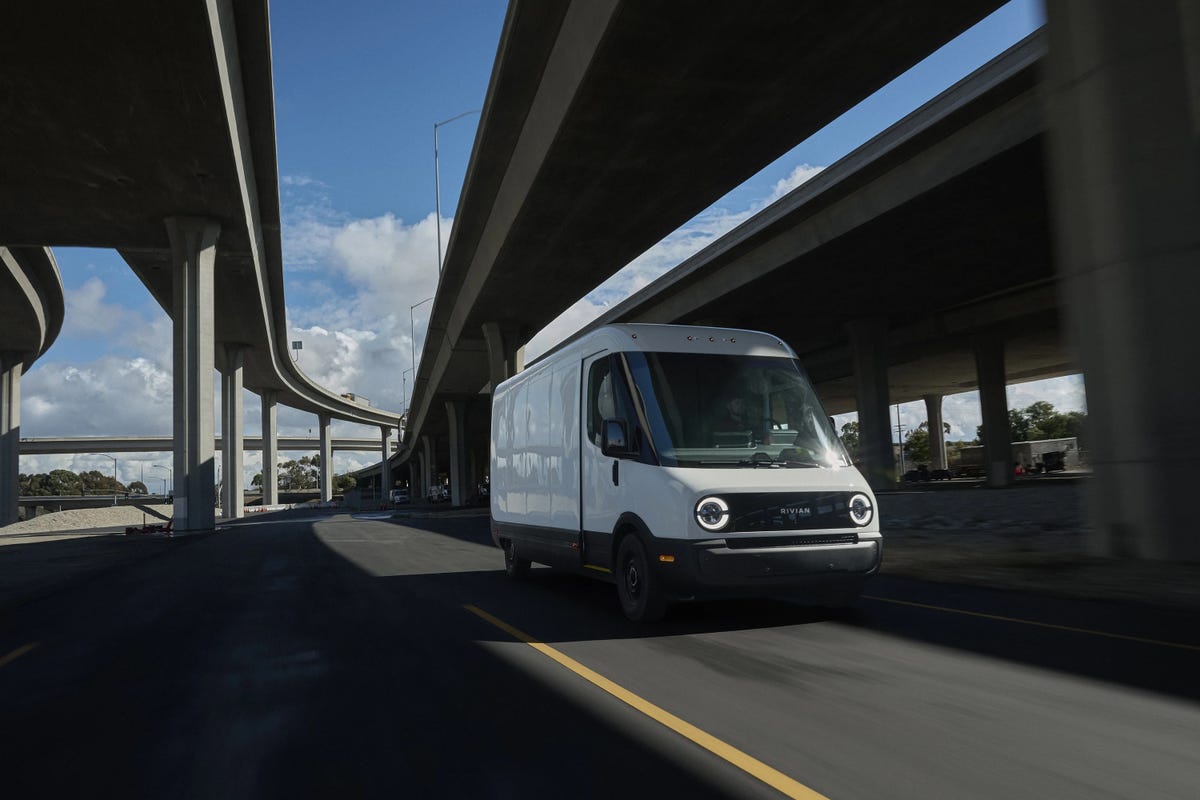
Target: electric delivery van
column 679, row 462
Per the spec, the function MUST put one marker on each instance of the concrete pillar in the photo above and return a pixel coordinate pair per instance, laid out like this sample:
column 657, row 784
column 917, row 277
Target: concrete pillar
column 456, row 418
column 270, row 451
column 868, row 340
column 505, row 356
column 232, row 434
column 428, row 463
column 413, row 488
column 10, row 436
column 194, row 253
column 385, row 467
column 1123, row 91
column 993, row 405
column 325, row 472
column 937, row 433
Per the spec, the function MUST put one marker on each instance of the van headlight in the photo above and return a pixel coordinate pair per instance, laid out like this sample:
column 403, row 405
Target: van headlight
column 861, row 510
column 712, row 513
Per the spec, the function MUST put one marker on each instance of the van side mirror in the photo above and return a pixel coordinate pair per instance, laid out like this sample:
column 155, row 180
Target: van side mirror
column 614, row 438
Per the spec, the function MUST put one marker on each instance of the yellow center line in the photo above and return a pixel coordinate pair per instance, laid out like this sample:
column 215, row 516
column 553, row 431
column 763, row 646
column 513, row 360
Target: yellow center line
column 767, row 774
column 1139, row 639
column 15, row 654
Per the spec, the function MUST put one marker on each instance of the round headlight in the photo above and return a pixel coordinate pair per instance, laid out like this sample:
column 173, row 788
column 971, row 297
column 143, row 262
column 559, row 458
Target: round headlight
column 861, row 510
column 712, row 513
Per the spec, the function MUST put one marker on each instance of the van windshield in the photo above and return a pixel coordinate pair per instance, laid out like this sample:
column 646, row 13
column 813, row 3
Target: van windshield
column 725, row 410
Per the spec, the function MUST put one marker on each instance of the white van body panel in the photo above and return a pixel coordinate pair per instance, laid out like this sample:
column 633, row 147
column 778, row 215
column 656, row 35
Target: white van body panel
column 563, row 502
column 535, row 447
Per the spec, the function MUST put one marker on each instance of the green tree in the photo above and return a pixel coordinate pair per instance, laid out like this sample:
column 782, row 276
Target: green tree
column 298, row 474
column 257, row 480
column 850, row 439
column 916, row 443
column 344, row 483
column 137, row 487
column 1039, row 421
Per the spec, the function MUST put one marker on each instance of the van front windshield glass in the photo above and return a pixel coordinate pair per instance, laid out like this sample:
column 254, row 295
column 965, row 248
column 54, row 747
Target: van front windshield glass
column 723, row 410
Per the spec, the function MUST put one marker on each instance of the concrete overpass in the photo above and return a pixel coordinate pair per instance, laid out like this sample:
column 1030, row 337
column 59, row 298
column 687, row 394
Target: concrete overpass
column 151, row 130
column 164, row 444
column 608, row 124
column 31, row 315
column 908, row 258
column 986, row 232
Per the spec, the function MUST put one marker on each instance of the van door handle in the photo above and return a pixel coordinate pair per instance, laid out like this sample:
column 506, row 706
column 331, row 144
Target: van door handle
column 616, row 474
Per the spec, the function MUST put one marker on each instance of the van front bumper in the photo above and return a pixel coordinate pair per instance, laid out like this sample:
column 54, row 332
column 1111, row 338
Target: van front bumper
column 711, row 568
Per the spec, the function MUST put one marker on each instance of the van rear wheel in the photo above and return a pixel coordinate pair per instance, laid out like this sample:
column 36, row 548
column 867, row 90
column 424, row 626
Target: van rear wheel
column 514, row 565
column 638, row 588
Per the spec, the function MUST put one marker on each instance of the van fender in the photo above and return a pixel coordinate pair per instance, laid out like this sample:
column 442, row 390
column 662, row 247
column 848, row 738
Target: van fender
column 627, row 524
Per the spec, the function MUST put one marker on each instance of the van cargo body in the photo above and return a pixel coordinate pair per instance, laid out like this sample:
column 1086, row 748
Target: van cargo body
column 679, row 462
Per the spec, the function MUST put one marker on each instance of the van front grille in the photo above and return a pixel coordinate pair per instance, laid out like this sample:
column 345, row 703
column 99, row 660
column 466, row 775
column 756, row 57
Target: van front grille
column 751, row 542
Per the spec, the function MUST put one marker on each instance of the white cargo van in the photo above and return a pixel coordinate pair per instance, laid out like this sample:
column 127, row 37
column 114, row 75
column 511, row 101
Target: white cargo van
column 679, row 462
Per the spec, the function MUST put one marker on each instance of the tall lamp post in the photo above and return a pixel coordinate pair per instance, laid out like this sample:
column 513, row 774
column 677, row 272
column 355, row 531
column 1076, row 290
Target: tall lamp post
column 171, row 472
column 412, row 334
column 404, row 388
column 114, row 460
column 437, row 180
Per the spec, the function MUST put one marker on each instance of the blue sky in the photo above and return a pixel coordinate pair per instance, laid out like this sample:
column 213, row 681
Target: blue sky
column 358, row 86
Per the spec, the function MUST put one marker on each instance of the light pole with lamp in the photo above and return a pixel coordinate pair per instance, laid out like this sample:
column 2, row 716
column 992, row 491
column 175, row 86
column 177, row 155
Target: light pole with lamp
column 412, row 334
column 114, row 460
column 404, row 388
column 437, row 181
column 172, row 473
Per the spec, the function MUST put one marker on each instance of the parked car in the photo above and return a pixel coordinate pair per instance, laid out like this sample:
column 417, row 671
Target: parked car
column 399, row 497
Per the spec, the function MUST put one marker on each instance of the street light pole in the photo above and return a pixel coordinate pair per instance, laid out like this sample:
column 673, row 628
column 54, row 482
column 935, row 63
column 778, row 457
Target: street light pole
column 437, row 182
column 172, row 472
column 412, row 337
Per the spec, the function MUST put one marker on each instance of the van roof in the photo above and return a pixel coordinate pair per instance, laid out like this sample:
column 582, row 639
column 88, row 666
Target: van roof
column 651, row 338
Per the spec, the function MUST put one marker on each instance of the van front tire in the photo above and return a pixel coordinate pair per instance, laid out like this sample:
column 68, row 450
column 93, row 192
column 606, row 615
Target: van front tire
column 638, row 588
column 514, row 565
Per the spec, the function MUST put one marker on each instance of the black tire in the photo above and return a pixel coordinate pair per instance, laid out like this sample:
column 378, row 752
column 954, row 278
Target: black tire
column 638, row 588
column 514, row 565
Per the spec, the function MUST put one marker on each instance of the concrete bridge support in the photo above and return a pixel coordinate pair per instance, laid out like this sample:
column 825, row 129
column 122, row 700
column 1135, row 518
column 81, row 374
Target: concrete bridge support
column 270, row 451
column 506, row 357
column 993, row 405
column 456, row 417
column 1124, row 111
column 868, row 339
column 937, row 433
column 11, row 365
column 427, row 465
column 385, row 477
column 194, row 253
column 232, row 434
column 325, row 469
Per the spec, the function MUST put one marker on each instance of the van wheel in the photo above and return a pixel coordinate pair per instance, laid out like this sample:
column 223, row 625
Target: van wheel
column 638, row 589
column 514, row 566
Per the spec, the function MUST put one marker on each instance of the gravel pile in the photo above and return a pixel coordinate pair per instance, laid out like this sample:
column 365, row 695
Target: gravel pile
column 85, row 518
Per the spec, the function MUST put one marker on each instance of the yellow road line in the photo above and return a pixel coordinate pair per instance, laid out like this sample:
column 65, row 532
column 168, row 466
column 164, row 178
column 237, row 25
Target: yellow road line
column 15, row 654
column 768, row 775
column 1139, row 639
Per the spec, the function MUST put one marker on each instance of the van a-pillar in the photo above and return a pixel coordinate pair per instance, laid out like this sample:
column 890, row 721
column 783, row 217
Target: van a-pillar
column 194, row 255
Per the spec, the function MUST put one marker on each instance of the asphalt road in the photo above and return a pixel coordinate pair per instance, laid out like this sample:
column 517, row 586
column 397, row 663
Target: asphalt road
column 336, row 656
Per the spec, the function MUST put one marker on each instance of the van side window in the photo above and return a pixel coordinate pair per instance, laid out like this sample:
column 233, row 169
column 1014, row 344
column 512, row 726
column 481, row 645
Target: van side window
column 602, row 403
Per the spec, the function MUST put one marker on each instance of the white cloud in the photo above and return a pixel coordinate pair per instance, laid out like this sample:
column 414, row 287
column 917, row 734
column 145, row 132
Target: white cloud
column 801, row 174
